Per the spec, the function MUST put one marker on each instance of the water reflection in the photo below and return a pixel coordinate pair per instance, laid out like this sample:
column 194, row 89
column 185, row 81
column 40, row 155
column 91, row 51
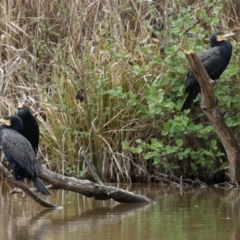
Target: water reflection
column 192, row 214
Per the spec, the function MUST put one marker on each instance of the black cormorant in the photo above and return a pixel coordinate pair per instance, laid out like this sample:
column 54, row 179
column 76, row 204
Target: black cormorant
column 30, row 125
column 19, row 152
column 215, row 61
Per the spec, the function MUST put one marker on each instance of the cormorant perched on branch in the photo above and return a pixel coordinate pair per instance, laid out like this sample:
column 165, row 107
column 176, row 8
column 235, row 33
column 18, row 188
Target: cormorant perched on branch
column 215, row 61
column 19, row 152
column 30, row 125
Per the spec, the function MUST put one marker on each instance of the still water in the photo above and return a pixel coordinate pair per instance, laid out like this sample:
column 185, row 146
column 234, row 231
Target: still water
column 192, row 215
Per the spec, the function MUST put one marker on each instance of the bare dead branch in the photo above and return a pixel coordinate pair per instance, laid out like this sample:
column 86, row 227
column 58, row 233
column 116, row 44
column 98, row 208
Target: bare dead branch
column 92, row 169
column 211, row 110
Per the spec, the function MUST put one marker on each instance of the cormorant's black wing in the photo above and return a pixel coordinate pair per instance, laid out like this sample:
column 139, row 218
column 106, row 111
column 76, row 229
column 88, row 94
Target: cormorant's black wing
column 17, row 148
column 208, row 59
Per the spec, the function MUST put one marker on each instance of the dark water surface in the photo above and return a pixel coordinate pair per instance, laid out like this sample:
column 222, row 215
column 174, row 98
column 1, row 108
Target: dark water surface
column 192, row 215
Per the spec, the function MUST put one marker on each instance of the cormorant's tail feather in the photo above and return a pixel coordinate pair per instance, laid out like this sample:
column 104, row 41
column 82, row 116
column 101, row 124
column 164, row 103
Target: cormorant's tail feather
column 40, row 187
column 189, row 100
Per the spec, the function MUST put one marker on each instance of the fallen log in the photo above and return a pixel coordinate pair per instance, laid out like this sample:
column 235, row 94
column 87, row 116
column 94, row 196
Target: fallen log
column 84, row 187
column 90, row 189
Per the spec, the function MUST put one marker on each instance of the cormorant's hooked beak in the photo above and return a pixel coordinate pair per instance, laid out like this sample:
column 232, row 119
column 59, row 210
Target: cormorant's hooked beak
column 224, row 36
column 5, row 121
column 23, row 103
column 20, row 104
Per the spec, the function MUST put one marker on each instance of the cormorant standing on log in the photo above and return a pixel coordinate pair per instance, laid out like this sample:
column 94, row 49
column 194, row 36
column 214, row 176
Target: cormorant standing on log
column 19, row 152
column 215, row 61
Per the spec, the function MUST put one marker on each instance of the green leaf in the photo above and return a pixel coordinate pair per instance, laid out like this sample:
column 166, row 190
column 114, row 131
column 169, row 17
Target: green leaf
column 139, row 141
column 179, row 142
column 166, row 125
column 125, row 145
column 165, row 132
column 170, row 105
column 213, row 144
column 232, row 70
column 171, row 50
column 194, row 166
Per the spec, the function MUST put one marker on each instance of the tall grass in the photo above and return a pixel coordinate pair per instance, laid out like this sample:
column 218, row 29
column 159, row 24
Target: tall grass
column 104, row 50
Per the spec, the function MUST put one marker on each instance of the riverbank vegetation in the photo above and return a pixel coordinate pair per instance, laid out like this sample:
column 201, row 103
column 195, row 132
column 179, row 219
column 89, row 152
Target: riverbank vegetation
column 107, row 78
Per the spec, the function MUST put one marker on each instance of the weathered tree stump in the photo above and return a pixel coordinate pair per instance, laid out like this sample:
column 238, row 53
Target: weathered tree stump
column 210, row 107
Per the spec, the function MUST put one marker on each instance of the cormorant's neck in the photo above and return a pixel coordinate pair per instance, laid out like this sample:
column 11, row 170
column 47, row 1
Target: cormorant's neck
column 17, row 128
column 221, row 44
column 24, row 112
